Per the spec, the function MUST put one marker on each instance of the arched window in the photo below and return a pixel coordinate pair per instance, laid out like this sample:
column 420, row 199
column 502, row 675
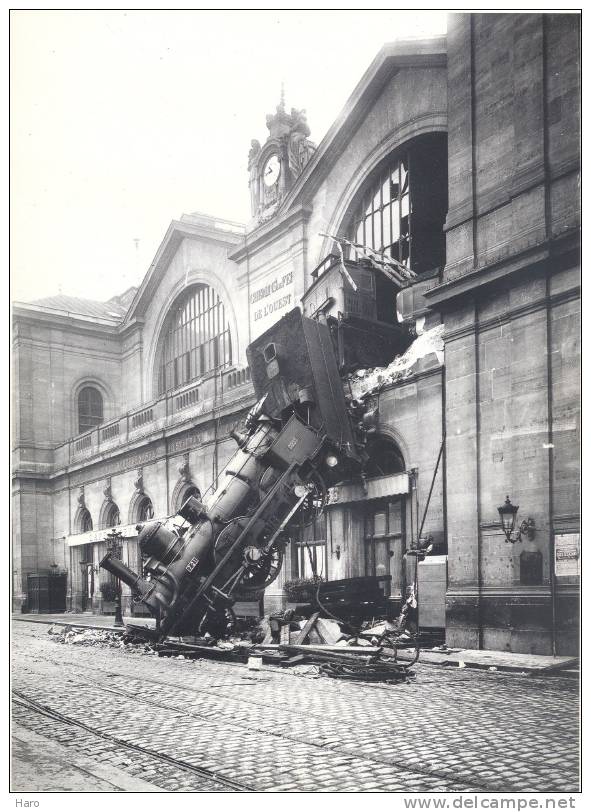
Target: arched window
column 85, row 521
column 401, row 209
column 196, row 339
column 90, row 408
column 384, row 457
column 113, row 517
column 145, row 510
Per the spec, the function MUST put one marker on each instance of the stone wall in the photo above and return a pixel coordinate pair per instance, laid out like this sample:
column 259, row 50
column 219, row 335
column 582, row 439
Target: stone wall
column 511, row 300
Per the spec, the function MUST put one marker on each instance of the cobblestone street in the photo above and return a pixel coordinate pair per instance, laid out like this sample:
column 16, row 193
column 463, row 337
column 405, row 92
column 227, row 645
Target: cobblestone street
column 180, row 725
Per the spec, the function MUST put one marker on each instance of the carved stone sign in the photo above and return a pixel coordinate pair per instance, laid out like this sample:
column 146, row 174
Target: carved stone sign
column 113, row 466
column 270, row 300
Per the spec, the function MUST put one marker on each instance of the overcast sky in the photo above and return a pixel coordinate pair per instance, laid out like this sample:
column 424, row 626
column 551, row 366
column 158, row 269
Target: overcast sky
column 123, row 121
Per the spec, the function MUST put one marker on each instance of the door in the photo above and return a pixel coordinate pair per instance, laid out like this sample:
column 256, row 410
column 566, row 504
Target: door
column 385, row 543
column 87, row 579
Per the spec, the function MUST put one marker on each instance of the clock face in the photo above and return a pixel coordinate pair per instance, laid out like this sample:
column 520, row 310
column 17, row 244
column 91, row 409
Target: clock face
column 272, row 170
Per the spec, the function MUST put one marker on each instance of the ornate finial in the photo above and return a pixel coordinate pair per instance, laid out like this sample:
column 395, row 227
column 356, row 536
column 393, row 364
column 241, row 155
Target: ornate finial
column 107, row 490
column 81, row 496
column 139, row 482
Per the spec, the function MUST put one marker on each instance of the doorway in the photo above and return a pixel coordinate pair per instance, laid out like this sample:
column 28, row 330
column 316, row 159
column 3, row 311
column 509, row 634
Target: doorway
column 385, row 544
column 87, row 567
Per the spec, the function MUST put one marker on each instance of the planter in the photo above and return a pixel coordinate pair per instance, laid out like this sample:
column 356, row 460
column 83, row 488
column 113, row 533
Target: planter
column 301, row 590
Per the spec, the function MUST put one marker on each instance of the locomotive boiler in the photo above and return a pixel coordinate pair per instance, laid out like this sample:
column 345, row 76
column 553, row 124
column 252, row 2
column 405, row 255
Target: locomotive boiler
column 301, row 437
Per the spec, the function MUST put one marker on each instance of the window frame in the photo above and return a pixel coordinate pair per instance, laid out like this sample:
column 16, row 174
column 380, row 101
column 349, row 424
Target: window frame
column 372, row 204
column 310, row 540
column 92, row 417
column 143, row 505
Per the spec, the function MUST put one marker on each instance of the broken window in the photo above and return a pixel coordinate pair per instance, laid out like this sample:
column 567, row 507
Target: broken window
column 401, row 210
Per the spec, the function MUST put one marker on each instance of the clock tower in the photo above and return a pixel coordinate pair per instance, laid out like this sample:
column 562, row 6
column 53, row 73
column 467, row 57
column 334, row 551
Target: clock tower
column 274, row 167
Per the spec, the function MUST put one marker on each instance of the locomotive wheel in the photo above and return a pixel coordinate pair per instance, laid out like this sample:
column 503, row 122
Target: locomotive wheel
column 261, row 570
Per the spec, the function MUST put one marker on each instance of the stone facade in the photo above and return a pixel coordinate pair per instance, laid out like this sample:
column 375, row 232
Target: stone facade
column 510, row 295
column 504, row 90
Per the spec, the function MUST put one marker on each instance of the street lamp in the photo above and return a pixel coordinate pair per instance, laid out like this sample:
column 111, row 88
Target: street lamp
column 508, row 514
column 115, row 548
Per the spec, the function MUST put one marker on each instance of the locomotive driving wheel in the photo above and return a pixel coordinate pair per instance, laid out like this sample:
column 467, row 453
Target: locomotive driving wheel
column 252, row 566
column 262, row 566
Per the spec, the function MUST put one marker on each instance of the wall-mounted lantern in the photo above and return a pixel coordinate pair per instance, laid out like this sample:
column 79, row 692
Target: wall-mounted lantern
column 508, row 514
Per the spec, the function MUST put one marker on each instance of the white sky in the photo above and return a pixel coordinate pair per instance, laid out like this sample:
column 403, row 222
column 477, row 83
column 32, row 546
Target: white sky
column 123, row 121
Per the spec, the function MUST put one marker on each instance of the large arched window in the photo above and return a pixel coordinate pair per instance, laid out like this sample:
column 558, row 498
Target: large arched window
column 196, row 339
column 401, row 210
column 90, row 408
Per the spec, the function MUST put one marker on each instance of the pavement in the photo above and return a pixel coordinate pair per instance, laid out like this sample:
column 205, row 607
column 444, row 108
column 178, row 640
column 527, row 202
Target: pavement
column 114, row 715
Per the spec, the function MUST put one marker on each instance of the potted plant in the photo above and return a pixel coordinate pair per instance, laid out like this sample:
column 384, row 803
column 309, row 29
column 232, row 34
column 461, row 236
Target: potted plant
column 109, row 594
column 302, row 590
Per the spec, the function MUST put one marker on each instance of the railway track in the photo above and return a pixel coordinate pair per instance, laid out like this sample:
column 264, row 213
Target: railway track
column 135, row 696
column 227, row 783
column 191, row 701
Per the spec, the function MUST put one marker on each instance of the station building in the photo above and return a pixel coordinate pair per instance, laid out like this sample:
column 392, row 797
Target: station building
column 458, row 157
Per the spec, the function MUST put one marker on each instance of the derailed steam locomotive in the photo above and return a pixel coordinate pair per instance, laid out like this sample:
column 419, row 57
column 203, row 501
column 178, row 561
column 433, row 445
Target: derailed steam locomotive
column 301, row 437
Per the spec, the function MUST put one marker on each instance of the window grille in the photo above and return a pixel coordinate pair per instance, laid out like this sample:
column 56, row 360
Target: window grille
column 90, row 409
column 401, row 209
column 382, row 220
column 197, row 339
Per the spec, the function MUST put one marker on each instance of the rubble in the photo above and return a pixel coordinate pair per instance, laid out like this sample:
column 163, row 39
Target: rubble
column 309, row 645
column 365, row 382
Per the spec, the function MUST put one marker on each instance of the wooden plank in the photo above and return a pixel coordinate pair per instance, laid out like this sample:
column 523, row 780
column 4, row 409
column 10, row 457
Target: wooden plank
column 329, row 631
column 295, row 660
column 319, row 648
column 284, row 634
column 306, row 630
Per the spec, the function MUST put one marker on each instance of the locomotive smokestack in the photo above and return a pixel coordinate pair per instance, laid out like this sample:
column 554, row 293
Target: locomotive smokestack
column 121, row 571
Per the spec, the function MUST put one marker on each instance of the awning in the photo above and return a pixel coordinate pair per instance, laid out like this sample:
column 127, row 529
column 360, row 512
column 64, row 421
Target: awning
column 127, row 531
column 375, row 488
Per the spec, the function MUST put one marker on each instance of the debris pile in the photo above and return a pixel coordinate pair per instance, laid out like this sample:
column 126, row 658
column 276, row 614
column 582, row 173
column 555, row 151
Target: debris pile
column 74, row 636
column 365, row 382
column 325, row 646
